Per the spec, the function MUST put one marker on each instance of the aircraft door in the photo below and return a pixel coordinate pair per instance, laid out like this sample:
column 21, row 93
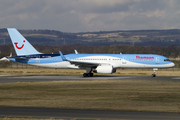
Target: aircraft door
column 38, row 59
column 157, row 60
column 124, row 60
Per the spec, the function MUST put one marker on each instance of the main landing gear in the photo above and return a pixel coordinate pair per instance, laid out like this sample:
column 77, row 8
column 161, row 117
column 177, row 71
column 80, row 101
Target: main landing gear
column 154, row 72
column 88, row 73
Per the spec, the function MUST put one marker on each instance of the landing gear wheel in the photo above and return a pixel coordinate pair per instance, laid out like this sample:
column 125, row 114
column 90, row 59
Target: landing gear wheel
column 154, row 72
column 153, row 75
column 91, row 74
column 84, row 75
column 87, row 74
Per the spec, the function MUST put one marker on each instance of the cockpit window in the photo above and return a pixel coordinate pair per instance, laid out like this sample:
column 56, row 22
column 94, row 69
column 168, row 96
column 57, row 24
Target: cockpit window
column 166, row 60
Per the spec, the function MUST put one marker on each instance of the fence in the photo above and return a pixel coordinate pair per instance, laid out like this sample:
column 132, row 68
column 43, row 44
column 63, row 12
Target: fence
column 5, row 64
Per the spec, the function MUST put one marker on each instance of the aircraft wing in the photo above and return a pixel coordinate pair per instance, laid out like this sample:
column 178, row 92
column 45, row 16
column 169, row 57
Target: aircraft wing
column 20, row 58
column 84, row 64
column 79, row 63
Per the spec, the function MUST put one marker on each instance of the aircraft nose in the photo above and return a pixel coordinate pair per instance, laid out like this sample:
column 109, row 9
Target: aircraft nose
column 172, row 64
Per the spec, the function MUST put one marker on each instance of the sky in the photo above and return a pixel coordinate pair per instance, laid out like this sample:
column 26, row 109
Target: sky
column 90, row 15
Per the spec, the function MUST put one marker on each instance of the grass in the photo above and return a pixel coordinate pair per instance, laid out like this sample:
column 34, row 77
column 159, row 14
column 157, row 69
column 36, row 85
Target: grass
column 127, row 95
column 45, row 71
column 38, row 71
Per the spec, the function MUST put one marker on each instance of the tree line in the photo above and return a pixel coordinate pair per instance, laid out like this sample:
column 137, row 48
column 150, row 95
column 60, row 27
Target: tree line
column 129, row 37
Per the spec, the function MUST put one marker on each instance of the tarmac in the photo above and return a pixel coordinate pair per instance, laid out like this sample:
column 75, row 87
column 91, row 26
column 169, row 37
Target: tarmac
column 82, row 114
column 38, row 78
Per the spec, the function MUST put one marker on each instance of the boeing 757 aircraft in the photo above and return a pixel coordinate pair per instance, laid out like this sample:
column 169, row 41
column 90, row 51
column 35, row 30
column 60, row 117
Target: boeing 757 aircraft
column 97, row 63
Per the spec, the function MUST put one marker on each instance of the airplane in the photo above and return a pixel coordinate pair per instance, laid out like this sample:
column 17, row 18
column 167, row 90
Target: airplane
column 92, row 63
column 6, row 58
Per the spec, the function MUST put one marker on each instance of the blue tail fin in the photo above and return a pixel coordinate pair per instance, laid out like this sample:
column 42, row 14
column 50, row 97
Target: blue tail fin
column 21, row 45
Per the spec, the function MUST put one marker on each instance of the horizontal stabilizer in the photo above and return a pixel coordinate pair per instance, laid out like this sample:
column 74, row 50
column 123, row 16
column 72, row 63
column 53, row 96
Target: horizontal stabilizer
column 21, row 58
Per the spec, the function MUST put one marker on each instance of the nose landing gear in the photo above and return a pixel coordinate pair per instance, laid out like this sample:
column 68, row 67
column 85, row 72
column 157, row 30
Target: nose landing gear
column 154, row 72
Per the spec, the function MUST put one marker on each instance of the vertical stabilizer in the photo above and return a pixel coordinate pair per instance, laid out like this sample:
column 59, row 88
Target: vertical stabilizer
column 21, row 45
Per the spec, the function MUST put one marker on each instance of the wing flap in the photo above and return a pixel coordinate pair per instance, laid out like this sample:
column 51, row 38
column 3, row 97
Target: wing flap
column 84, row 64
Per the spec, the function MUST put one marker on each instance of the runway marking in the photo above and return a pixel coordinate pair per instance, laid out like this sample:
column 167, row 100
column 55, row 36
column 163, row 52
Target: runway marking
column 70, row 77
column 176, row 78
column 6, row 75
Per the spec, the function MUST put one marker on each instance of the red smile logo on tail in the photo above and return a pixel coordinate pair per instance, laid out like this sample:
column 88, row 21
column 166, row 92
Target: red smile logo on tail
column 17, row 45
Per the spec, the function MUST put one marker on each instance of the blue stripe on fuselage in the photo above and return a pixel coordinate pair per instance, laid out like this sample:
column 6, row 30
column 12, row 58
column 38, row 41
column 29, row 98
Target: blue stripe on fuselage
column 38, row 56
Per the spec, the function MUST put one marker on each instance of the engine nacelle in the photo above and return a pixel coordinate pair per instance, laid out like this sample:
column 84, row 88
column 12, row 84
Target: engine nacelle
column 105, row 69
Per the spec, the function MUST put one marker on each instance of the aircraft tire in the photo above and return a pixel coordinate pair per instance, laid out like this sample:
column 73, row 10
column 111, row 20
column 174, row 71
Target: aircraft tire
column 91, row 74
column 87, row 74
column 84, row 75
column 153, row 75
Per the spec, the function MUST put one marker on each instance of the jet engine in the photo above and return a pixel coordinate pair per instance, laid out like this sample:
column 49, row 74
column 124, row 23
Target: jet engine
column 105, row 69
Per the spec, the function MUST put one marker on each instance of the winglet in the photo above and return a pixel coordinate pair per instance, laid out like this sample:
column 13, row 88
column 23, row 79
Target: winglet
column 62, row 56
column 76, row 52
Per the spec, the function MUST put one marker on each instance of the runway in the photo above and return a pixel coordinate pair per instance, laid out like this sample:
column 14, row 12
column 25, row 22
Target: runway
column 38, row 78
column 85, row 114
column 82, row 114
